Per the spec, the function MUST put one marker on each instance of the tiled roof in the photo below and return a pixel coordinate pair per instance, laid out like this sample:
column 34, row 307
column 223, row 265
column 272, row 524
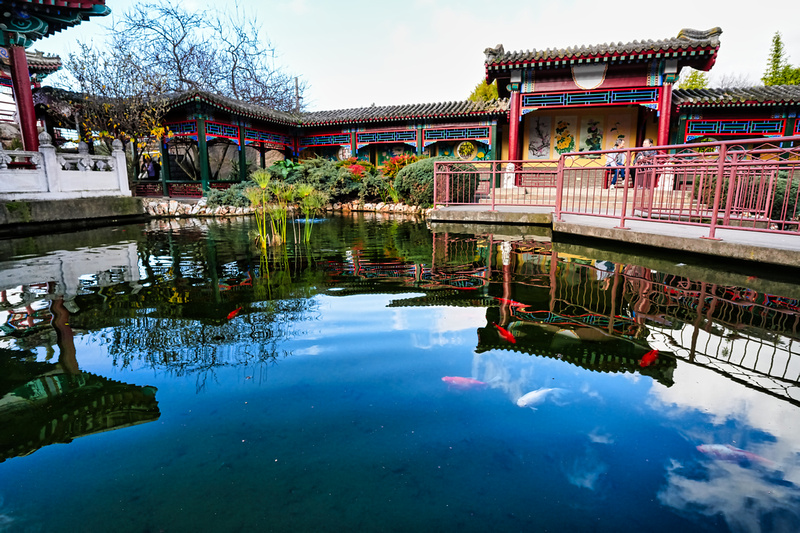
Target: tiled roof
column 37, row 62
column 34, row 19
column 405, row 112
column 686, row 40
column 738, row 96
column 347, row 116
column 235, row 106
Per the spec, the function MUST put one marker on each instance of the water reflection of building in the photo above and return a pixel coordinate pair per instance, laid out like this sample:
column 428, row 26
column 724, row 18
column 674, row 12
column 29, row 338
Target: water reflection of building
column 606, row 315
column 43, row 404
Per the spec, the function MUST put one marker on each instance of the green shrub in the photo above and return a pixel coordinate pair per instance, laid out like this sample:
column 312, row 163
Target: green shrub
column 337, row 182
column 233, row 196
column 414, row 183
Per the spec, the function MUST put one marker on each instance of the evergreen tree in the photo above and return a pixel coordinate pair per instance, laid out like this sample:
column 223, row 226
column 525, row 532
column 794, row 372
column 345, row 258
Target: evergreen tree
column 483, row 92
column 694, row 80
column 779, row 71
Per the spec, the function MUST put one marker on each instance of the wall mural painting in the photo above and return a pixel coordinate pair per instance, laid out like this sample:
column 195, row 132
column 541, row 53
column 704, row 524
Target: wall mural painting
column 387, row 151
column 566, row 130
column 591, row 137
column 617, row 127
column 539, row 138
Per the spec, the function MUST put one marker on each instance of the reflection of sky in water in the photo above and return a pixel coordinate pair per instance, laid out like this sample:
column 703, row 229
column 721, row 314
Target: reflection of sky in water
column 706, row 410
column 352, row 427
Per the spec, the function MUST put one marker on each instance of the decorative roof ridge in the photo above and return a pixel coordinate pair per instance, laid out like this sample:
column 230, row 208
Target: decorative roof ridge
column 761, row 94
column 686, row 38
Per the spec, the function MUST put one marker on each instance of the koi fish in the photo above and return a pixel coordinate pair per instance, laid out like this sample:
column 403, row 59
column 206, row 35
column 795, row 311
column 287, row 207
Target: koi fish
column 505, row 334
column 463, row 383
column 234, row 313
column 726, row 452
column 752, row 278
column 506, row 301
column 649, row 358
column 535, row 397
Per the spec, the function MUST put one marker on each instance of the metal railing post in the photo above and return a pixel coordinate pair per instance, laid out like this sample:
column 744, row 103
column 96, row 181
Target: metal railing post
column 435, row 181
column 723, row 152
column 559, row 187
column 625, row 179
column 726, row 219
column 492, row 189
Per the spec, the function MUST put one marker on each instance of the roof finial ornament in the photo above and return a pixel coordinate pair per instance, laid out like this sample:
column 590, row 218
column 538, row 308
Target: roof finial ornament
column 698, row 35
column 493, row 53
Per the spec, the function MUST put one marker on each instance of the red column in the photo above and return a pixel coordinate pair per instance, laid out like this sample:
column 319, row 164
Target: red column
column 513, row 126
column 665, row 110
column 21, row 82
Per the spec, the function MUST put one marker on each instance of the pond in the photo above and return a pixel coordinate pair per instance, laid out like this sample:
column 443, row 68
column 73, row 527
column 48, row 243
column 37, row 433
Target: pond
column 389, row 376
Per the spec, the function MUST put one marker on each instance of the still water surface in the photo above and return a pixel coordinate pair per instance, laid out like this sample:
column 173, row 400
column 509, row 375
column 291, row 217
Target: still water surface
column 388, row 377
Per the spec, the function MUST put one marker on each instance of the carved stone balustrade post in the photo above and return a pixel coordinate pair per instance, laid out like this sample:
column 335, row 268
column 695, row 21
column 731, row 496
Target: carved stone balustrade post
column 52, row 169
column 120, row 166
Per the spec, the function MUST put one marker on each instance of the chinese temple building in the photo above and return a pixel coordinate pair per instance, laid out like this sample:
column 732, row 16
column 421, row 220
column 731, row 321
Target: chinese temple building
column 21, row 23
column 724, row 114
column 586, row 98
column 552, row 101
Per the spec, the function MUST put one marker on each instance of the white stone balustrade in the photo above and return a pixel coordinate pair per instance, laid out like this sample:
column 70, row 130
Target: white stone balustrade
column 46, row 175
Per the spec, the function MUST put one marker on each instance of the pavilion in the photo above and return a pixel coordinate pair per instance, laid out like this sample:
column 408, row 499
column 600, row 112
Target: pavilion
column 21, row 23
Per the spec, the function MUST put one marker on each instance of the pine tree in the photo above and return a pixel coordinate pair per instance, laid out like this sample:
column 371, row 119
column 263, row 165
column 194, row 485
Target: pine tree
column 779, row 71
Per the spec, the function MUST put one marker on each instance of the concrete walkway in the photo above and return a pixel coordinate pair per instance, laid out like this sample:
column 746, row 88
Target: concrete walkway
column 773, row 248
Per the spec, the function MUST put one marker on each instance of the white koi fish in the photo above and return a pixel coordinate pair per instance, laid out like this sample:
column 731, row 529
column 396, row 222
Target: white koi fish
column 535, row 397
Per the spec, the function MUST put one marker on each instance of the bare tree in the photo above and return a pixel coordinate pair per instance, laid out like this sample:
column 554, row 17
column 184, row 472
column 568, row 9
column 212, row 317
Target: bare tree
column 217, row 51
column 732, row 80
column 111, row 96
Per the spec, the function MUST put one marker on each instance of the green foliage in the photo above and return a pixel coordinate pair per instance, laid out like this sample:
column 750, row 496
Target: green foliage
column 694, row 80
column 414, row 182
column 779, row 71
column 484, row 92
column 396, row 164
column 373, row 186
column 233, row 175
column 329, row 177
column 234, row 195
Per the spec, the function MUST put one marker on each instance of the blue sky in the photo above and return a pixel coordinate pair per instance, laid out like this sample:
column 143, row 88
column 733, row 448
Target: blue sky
column 353, row 53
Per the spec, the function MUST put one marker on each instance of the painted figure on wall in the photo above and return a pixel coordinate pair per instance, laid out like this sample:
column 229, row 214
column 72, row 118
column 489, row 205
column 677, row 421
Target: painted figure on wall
column 539, row 144
column 592, row 134
column 565, row 139
column 618, row 129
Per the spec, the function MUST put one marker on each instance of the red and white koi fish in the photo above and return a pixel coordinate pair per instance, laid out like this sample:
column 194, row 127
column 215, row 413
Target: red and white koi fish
column 505, row 334
column 649, row 358
column 463, row 383
column 234, row 313
column 726, row 452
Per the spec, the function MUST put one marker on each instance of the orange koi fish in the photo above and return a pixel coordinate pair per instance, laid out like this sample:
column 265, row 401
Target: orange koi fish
column 512, row 303
column 463, row 383
column 649, row 358
column 507, row 335
column 234, row 313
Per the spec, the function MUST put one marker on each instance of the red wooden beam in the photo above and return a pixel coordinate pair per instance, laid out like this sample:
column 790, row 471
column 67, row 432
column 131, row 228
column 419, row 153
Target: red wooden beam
column 21, row 83
column 513, row 126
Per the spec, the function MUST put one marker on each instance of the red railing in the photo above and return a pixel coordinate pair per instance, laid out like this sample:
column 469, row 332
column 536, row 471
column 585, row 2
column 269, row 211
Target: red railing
column 714, row 185
column 491, row 183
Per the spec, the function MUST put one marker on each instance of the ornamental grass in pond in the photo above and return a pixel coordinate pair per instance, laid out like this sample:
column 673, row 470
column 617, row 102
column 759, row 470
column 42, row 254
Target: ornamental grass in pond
column 312, row 202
